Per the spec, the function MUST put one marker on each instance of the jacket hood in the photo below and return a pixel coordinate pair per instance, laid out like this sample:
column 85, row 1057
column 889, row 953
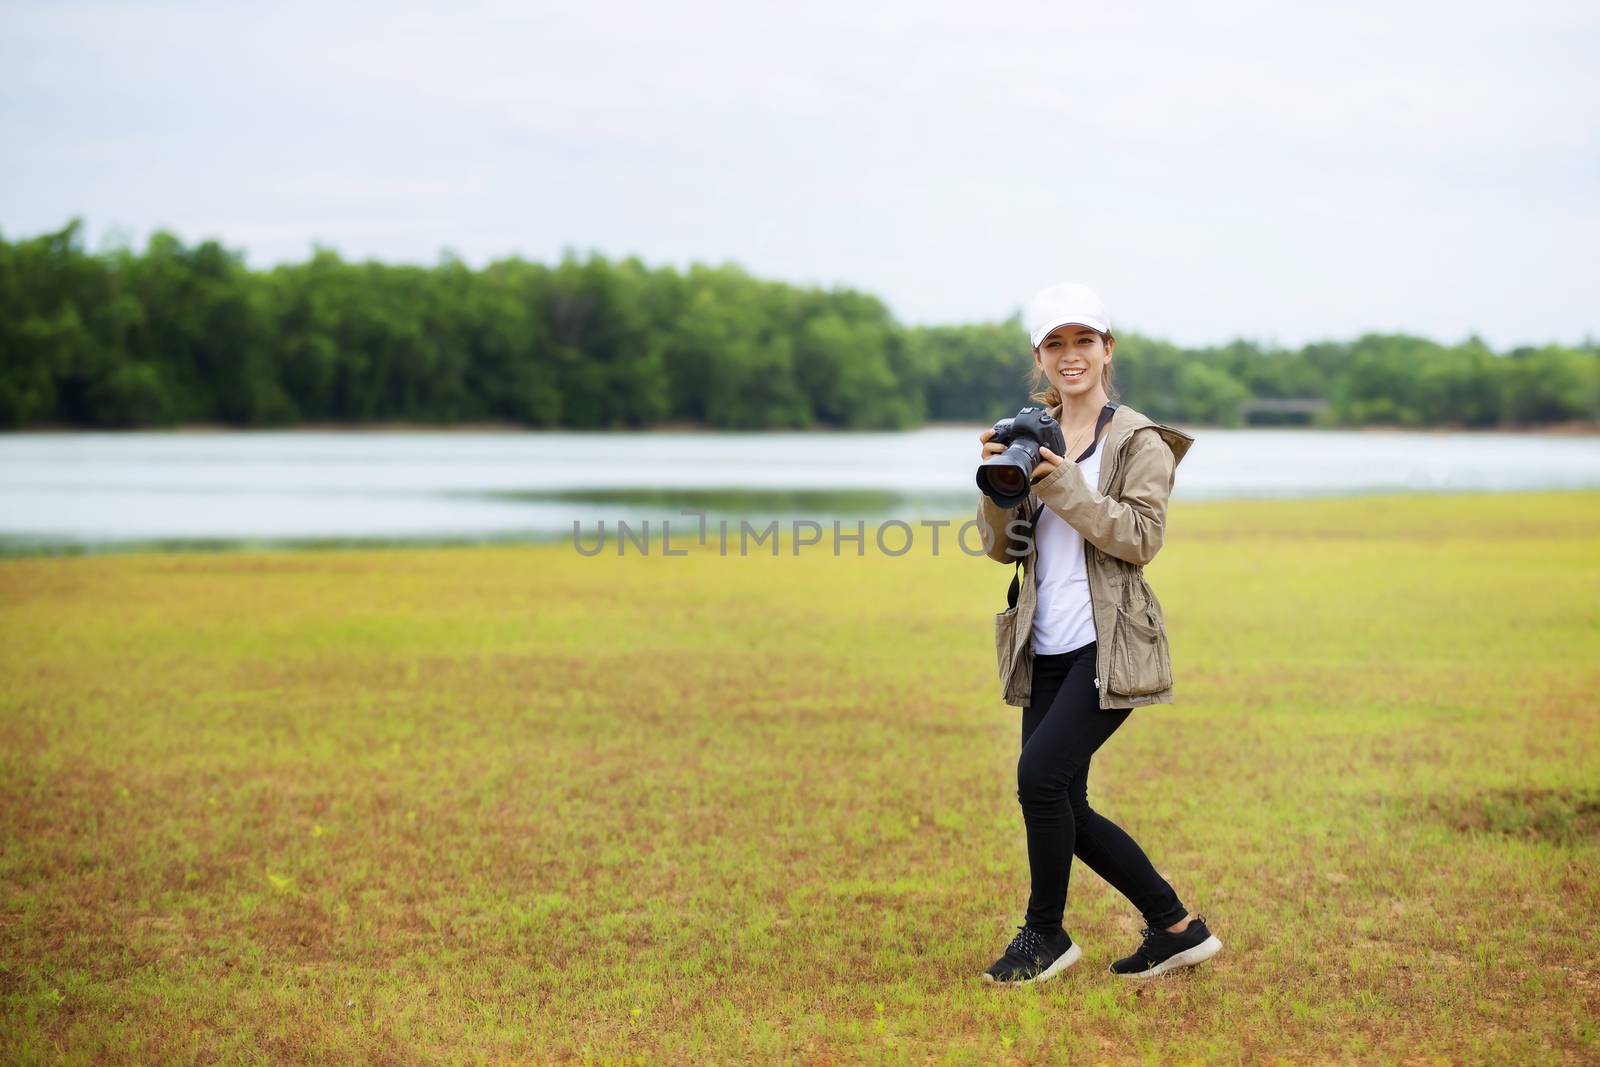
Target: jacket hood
column 1125, row 420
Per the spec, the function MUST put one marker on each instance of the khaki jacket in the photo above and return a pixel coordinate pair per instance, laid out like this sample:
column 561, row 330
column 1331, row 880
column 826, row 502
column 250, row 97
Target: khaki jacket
column 1122, row 521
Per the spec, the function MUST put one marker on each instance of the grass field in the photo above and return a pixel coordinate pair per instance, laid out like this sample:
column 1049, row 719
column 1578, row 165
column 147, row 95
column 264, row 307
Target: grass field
column 514, row 804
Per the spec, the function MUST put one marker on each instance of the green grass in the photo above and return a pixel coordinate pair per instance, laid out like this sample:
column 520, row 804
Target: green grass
column 511, row 803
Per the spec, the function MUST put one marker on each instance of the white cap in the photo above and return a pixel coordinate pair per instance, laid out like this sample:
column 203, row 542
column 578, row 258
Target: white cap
column 1067, row 303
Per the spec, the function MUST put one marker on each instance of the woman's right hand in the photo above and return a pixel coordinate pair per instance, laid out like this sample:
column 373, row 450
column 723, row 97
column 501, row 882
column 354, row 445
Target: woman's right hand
column 990, row 448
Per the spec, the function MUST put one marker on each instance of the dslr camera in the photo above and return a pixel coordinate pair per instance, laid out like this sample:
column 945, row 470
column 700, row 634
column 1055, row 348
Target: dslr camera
column 1004, row 478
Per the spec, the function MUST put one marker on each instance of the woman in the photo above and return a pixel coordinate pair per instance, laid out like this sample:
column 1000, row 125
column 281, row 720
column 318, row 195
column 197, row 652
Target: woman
column 1086, row 642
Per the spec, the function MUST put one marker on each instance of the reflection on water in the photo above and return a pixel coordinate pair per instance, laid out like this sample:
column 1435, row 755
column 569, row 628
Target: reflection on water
column 747, row 501
column 66, row 492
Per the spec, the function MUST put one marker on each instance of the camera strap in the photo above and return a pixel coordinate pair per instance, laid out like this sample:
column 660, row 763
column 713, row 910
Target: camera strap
column 1016, row 573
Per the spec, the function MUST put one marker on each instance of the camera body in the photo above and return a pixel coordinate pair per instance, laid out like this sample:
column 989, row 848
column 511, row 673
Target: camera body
column 1004, row 478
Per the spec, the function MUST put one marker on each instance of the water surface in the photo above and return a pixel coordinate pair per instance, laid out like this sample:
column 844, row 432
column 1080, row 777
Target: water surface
column 189, row 489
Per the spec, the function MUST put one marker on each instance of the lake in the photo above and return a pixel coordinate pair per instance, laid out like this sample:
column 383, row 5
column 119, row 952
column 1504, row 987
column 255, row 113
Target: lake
column 87, row 491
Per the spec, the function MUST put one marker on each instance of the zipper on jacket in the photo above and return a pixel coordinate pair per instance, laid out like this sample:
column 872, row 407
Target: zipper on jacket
column 1088, row 571
column 1088, row 574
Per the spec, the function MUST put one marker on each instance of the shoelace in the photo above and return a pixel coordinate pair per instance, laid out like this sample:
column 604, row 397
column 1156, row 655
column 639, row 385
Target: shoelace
column 1146, row 949
column 1026, row 945
column 1151, row 934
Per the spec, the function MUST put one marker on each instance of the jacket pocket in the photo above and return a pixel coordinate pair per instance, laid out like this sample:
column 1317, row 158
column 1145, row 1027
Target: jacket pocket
column 1013, row 656
column 1141, row 662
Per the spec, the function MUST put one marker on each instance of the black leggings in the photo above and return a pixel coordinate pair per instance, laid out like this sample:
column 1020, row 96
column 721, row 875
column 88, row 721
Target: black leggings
column 1061, row 728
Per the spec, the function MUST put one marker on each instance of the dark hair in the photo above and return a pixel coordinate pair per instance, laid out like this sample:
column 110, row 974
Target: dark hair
column 1040, row 389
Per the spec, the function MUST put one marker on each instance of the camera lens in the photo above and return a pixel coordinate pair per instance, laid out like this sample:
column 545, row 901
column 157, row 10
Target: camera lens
column 1007, row 480
column 1004, row 478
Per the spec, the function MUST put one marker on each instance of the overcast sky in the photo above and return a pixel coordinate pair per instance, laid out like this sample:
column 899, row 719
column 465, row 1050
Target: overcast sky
column 1277, row 171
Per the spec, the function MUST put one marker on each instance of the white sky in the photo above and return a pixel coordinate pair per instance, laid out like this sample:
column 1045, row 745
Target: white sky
column 1277, row 171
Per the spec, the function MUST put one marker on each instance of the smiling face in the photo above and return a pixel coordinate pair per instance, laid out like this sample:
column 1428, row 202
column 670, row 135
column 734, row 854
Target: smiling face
column 1074, row 359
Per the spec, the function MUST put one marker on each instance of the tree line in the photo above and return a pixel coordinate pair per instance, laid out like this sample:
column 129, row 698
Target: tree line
column 182, row 333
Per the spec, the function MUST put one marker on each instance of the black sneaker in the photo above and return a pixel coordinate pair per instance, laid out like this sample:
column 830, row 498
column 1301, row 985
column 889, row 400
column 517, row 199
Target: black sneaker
column 1034, row 957
column 1162, row 952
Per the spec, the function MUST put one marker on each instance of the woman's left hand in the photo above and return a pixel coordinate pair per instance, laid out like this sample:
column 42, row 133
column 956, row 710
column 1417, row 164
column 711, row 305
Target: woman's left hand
column 1048, row 461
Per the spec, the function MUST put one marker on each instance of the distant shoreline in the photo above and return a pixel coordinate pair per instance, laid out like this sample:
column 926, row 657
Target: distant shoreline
column 1561, row 429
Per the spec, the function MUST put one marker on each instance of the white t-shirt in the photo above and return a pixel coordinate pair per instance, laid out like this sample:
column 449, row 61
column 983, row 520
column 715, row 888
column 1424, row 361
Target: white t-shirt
column 1062, row 620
